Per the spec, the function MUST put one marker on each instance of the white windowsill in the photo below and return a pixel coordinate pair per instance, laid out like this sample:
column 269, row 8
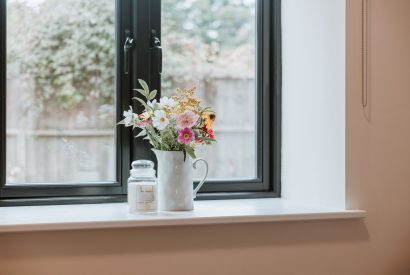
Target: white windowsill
column 115, row 215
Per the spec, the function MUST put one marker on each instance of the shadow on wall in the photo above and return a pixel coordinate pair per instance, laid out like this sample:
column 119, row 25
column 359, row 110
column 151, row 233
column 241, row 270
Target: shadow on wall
column 175, row 239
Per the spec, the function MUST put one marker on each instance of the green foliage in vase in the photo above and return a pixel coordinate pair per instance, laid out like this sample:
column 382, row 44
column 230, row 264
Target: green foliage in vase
column 178, row 123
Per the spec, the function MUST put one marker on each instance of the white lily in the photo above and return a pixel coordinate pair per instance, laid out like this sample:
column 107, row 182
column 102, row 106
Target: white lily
column 160, row 120
column 167, row 102
column 152, row 103
column 128, row 117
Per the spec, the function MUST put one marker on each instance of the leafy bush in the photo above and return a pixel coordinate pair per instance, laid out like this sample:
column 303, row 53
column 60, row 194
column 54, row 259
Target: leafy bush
column 67, row 48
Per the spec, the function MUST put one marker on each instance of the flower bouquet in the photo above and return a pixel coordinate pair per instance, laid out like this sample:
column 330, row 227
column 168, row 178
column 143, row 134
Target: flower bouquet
column 177, row 123
column 174, row 126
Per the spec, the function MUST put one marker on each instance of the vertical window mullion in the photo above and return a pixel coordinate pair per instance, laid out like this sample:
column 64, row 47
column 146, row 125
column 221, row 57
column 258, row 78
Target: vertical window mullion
column 146, row 17
column 124, row 82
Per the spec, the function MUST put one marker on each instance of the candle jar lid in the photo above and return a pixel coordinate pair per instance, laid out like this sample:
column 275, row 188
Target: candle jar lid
column 142, row 169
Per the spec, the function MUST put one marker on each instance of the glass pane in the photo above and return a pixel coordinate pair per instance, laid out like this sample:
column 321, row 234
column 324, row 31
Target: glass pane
column 60, row 91
column 210, row 44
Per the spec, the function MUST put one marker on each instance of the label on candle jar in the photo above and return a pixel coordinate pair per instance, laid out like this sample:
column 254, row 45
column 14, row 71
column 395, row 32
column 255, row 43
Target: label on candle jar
column 141, row 198
column 147, row 188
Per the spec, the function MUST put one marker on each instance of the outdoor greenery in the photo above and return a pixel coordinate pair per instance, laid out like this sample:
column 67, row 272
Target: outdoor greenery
column 67, row 48
column 206, row 39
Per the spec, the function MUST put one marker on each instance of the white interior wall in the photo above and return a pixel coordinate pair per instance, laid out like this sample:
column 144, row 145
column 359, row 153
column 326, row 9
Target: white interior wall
column 313, row 144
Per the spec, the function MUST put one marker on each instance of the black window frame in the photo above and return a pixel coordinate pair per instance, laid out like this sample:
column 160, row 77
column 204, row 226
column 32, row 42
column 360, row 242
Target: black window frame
column 141, row 19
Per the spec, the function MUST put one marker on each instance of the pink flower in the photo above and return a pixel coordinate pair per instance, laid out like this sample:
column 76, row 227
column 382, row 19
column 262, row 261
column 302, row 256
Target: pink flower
column 185, row 136
column 187, row 119
column 144, row 123
column 210, row 133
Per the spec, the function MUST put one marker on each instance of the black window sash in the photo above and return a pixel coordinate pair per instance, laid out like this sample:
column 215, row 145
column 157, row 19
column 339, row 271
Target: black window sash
column 268, row 89
column 44, row 193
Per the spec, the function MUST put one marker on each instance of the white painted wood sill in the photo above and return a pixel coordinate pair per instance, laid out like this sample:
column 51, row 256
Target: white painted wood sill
column 115, row 215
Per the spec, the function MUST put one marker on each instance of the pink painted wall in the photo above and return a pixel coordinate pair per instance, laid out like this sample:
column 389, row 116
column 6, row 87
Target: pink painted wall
column 378, row 180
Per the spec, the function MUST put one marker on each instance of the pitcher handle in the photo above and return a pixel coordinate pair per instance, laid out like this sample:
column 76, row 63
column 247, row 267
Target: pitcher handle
column 204, row 178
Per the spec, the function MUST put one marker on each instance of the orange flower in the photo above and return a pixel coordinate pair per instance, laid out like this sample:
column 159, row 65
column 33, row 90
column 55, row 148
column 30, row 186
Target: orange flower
column 209, row 119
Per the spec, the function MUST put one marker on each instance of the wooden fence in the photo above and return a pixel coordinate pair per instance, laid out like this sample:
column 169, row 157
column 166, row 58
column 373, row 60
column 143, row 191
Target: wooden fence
column 57, row 148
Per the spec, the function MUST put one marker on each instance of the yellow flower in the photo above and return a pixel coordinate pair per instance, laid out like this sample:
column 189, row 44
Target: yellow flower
column 209, row 119
column 186, row 101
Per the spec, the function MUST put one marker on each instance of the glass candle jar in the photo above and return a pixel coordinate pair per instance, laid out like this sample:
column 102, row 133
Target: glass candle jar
column 142, row 187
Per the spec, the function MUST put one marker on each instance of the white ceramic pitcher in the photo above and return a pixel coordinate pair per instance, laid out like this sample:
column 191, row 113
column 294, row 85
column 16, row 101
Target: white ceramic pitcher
column 175, row 180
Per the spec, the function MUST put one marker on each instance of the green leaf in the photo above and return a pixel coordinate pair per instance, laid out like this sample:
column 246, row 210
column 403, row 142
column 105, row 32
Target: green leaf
column 144, row 85
column 206, row 109
column 141, row 133
column 190, row 151
column 184, row 151
column 142, row 102
column 152, row 95
column 165, row 146
column 208, row 139
column 143, row 92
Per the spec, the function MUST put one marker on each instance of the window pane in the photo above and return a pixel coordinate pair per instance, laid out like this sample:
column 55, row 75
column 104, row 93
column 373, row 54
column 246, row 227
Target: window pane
column 210, row 44
column 60, row 91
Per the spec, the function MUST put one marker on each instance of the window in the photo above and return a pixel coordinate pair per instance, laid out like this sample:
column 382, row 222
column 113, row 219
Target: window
column 67, row 73
column 213, row 47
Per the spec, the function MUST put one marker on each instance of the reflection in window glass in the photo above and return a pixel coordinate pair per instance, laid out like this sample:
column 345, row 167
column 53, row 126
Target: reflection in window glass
column 60, row 91
column 211, row 44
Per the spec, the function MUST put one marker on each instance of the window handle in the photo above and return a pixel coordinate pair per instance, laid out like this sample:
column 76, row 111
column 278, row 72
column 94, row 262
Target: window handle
column 157, row 52
column 127, row 47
